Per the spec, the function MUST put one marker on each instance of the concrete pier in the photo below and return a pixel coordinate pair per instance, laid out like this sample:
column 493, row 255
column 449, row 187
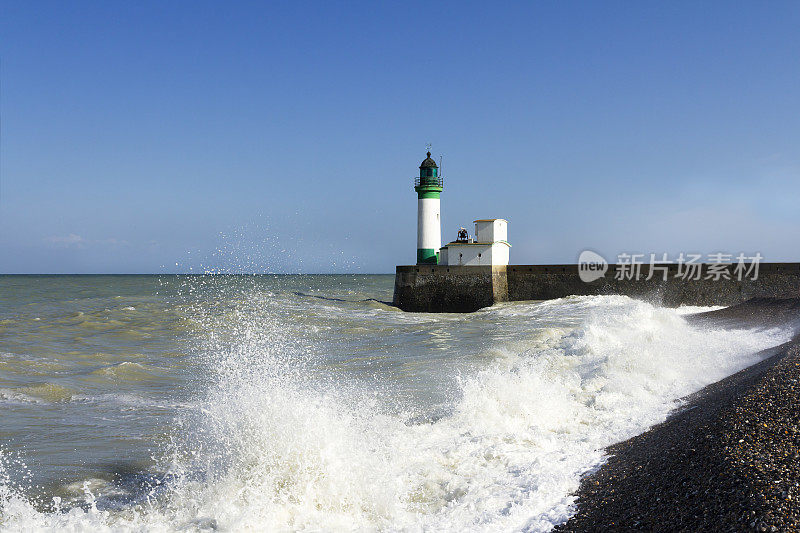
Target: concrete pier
column 463, row 289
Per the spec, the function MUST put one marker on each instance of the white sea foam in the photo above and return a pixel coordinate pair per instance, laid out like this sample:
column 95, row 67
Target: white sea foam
column 277, row 450
column 691, row 309
column 13, row 396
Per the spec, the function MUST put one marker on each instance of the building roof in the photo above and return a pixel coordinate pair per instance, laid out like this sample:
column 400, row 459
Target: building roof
column 428, row 163
column 489, row 220
column 456, row 243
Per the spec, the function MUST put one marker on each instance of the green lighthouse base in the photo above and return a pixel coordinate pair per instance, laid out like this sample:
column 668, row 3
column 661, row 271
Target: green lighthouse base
column 427, row 256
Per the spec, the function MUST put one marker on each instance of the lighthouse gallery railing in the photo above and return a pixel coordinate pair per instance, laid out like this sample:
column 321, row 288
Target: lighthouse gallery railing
column 435, row 181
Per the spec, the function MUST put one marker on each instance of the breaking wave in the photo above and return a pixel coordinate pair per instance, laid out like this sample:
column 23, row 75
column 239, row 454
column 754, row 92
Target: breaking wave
column 283, row 443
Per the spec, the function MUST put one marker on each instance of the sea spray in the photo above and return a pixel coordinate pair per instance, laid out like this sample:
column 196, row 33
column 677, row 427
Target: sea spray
column 286, row 440
column 319, row 454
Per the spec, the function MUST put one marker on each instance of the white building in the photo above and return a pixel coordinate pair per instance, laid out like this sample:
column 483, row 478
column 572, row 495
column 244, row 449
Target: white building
column 489, row 247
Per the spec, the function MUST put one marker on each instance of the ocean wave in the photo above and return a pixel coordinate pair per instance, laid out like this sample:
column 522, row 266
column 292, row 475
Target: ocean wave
column 126, row 370
column 272, row 448
column 39, row 393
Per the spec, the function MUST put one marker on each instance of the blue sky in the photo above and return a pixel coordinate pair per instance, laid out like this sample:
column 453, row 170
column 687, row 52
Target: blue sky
column 181, row 136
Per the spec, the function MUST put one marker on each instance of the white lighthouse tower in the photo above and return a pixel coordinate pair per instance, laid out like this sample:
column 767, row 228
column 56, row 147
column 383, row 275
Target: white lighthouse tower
column 429, row 230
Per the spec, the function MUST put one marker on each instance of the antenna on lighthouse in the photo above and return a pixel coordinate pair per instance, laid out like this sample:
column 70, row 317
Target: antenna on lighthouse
column 440, row 166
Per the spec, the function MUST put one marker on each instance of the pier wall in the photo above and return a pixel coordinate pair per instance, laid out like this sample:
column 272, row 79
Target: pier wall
column 462, row 289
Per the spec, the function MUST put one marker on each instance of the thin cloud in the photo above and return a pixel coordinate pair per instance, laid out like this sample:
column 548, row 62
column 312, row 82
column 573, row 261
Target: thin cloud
column 76, row 241
column 70, row 241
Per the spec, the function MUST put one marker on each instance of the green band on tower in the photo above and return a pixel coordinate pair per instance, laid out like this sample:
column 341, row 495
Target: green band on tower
column 428, row 193
column 427, row 256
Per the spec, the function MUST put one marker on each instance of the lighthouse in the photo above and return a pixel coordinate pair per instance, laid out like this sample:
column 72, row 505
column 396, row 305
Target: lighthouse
column 429, row 230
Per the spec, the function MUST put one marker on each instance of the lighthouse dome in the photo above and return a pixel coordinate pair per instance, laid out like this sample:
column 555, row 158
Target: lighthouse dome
column 428, row 163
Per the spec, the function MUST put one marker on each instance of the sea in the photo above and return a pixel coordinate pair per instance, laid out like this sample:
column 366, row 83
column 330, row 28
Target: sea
column 309, row 403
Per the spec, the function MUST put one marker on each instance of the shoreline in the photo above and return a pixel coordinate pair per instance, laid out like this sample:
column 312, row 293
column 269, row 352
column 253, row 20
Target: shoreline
column 727, row 460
